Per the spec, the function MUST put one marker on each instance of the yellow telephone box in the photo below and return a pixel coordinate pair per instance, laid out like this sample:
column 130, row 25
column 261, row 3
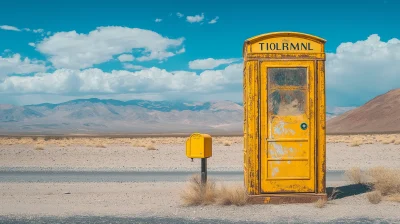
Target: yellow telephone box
column 284, row 117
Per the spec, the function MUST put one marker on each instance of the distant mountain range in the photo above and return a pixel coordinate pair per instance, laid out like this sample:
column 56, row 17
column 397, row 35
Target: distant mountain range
column 98, row 116
column 379, row 115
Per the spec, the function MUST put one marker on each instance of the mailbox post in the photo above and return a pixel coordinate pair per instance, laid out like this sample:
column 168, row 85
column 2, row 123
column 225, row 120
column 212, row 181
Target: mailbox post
column 284, row 117
column 200, row 146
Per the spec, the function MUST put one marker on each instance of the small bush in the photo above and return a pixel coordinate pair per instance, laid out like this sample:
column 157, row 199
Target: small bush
column 198, row 193
column 334, row 194
column 354, row 175
column 227, row 143
column 39, row 147
column 355, row 143
column 394, row 197
column 320, row 203
column 151, row 147
column 388, row 140
column 374, row 197
column 232, row 196
column 101, row 145
column 385, row 180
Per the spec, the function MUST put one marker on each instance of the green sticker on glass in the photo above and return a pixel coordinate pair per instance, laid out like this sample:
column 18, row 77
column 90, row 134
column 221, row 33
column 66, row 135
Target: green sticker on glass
column 303, row 126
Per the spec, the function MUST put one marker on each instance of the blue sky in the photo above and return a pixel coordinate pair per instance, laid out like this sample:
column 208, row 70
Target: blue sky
column 75, row 45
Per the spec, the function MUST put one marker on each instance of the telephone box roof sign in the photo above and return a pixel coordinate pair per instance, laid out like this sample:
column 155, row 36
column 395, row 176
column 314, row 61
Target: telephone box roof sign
column 284, row 42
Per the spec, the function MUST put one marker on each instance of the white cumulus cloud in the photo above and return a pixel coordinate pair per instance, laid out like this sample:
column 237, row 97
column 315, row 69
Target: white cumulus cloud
column 32, row 44
column 210, row 63
column 359, row 71
column 38, row 31
column 152, row 80
column 125, row 57
column 195, row 19
column 180, row 15
column 76, row 51
column 7, row 27
column 133, row 67
column 214, row 20
column 158, row 20
column 18, row 65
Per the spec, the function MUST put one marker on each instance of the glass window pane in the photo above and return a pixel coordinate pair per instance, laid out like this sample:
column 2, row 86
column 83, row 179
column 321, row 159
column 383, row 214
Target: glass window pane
column 287, row 76
column 286, row 102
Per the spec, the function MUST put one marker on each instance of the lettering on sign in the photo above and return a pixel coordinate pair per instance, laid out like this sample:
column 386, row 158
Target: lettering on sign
column 285, row 46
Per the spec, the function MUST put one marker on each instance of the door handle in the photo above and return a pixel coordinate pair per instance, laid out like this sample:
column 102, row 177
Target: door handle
column 303, row 126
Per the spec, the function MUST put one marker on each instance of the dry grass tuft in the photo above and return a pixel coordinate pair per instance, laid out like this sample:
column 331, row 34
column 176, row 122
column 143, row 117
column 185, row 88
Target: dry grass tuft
column 394, row 197
column 101, row 146
column 320, row 203
column 39, row 147
column 227, row 143
column 354, row 175
column 334, row 194
column 206, row 194
column 232, row 196
column 374, row 197
column 198, row 193
column 355, row 143
column 151, row 147
column 388, row 140
column 397, row 142
column 385, row 180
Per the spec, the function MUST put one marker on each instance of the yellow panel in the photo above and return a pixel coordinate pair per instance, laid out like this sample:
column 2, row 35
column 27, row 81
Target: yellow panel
column 288, row 170
column 199, row 146
column 250, row 103
column 287, row 145
column 288, row 150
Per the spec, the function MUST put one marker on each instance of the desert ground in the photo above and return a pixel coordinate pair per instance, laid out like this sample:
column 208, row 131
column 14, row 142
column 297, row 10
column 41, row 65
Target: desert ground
column 350, row 153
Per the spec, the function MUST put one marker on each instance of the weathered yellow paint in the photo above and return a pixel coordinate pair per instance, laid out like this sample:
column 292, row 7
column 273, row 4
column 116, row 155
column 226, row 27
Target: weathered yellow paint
column 280, row 156
column 199, row 146
column 250, row 104
column 321, row 128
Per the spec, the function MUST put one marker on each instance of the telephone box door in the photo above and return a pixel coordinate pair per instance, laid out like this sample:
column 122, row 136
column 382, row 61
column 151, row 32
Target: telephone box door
column 287, row 105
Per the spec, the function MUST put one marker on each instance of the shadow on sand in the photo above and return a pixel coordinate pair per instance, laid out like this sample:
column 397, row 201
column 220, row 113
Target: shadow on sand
column 347, row 191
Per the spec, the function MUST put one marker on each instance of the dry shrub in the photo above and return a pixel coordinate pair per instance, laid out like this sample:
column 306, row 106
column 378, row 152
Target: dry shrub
column 394, row 197
column 388, row 140
column 151, row 147
column 355, row 175
column 374, row 197
column 232, row 196
column 320, row 203
column 397, row 142
column 227, row 143
column 355, row 143
column 206, row 194
column 334, row 194
column 386, row 181
column 101, row 146
column 39, row 147
column 198, row 193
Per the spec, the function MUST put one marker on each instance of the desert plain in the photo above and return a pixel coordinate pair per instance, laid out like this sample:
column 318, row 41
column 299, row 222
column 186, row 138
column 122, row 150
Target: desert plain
column 152, row 199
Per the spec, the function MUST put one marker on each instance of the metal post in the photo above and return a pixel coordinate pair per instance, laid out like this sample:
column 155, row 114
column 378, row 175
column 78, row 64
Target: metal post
column 203, row 170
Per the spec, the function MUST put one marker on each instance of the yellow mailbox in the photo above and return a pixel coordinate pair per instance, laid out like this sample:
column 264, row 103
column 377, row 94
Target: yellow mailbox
column 284, row 117
column 199, row 146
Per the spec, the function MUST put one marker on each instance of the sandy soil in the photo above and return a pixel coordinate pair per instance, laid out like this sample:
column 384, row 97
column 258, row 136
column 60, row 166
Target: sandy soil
column 163, row 200
column 340, row 156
